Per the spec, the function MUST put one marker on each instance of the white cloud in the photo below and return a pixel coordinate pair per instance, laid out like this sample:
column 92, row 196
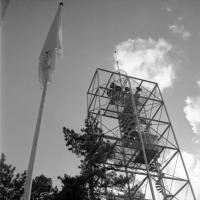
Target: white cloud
column 195, row 140
column 180, row 18
column 180, row 30
column 147, row 59
column 198, row 83
column 192, row 112
column 168, row 9
column 192, row 163
column 177, row 27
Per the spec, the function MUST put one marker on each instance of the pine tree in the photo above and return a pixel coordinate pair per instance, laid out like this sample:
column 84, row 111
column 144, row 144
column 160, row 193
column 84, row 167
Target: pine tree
column 94, row 152
column 11, row 185
column 73, row 188
column 42, row 188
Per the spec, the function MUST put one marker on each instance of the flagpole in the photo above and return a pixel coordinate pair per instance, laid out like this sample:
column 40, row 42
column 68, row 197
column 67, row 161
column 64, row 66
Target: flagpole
column 28, row 181
column 52, row 45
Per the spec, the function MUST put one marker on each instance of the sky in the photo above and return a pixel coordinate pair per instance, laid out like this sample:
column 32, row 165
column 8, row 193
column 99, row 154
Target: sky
column 156, row 40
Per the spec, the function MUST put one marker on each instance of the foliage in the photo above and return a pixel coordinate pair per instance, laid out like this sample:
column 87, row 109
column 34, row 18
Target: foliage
column 89, row 145
column 42, row 188
column 11, row 185
column 73, row 188
column 94, row 152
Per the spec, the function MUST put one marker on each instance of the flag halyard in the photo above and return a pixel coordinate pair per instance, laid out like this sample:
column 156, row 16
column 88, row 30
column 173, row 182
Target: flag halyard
column 52, row 49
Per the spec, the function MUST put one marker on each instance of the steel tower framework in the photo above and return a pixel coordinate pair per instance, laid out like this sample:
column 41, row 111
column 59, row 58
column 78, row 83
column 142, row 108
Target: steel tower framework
column 133, row 116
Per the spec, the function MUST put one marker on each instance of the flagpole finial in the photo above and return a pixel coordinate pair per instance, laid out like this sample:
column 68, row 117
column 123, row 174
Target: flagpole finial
column 61, row 3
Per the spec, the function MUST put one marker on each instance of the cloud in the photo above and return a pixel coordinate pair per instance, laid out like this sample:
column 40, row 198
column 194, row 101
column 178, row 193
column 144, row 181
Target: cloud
column 192, row 113
column 180, row 18
column 195, row 140
column 198, row 83
column 177, row 28
column 168, row 9
column 147, row 59
column 192, row 163
column 180, row 30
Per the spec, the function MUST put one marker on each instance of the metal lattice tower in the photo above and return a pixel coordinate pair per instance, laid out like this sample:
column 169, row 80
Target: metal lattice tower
column 133, row 116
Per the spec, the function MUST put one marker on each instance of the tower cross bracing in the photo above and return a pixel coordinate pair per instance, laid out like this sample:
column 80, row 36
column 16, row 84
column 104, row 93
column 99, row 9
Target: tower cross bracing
column 133, row 117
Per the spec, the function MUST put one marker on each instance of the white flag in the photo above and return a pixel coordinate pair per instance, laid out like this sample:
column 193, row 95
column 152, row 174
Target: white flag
column 52, row 48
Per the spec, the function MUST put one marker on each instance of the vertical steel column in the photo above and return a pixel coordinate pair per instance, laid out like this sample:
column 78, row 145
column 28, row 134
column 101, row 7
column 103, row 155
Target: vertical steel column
column 125, row 164
column 99, row 96
column 184, row 166
column 141, row 139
